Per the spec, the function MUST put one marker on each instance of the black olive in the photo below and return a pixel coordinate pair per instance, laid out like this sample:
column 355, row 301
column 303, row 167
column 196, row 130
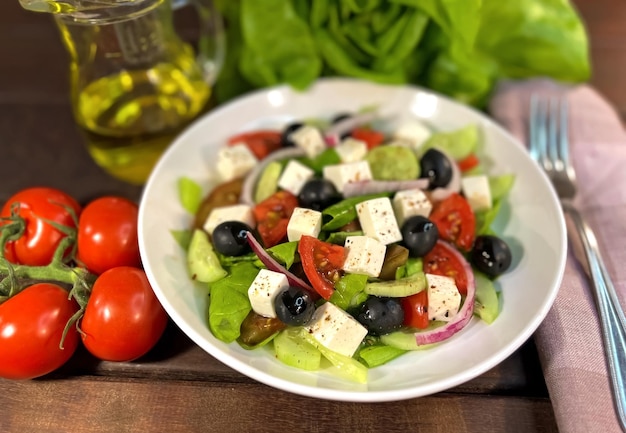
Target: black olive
column 294, row 306
column 318, row 194
column 380, row 315
column 436, row 167
column 229, row 238
column 285, row 138
column 491, row 255
column 339, row 117
column 419, row 235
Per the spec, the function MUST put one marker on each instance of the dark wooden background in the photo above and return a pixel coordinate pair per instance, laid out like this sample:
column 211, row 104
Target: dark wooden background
column 178, row 387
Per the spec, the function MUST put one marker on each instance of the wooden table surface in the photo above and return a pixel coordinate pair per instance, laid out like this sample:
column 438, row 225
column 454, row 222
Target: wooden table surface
column 178, row 387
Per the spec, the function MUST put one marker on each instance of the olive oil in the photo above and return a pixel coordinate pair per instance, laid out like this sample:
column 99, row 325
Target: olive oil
column 129, row 118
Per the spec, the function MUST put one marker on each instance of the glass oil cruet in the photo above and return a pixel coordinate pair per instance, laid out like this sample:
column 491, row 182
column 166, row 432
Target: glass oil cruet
column 135, row 81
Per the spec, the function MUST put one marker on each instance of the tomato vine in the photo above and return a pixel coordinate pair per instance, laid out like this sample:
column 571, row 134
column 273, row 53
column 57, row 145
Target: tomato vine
column 57, row 268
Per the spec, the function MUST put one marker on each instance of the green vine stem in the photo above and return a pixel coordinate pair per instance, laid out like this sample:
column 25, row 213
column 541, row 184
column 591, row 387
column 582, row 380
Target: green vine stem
column 80, row 279
column 15, row 277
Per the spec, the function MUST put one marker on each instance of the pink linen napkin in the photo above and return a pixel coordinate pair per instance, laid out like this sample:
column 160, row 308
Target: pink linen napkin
column 569, row 340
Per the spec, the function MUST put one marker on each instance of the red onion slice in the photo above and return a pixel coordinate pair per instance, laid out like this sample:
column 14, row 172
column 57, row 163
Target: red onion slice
column 273, row 265
column 344, row 126
column 363, row 187
column 249, row 184
column 463, row 316
column 332, row 140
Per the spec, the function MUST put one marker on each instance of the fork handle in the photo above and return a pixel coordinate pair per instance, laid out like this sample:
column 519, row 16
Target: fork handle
column 612, row 319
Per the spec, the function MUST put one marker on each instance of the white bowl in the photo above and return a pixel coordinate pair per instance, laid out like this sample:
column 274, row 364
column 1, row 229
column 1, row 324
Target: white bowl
column 531, row 221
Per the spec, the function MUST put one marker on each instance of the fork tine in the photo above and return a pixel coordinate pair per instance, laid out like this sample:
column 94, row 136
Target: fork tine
column 564, row 141
column 538, row 131
column 554, row 134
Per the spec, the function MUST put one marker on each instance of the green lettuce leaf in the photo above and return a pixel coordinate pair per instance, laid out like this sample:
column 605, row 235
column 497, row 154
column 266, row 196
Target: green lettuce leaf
column 459, row 48
column 538, row 37
column 229, row 304
column 278, row 46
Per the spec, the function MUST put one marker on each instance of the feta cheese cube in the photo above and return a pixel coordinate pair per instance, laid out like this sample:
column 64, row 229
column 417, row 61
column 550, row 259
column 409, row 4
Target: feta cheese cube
column 477, row 192
column 310, row 139
column 378, row 220
column 411, row 202
column 304, row 221
column 336, row 330
column 351, row 150
column 236, row 212
column 342, row 174
column 264, row 289
column 444, row 298
column 294, row 176
column 235, row 161
column 365, row 255
column 414, row 133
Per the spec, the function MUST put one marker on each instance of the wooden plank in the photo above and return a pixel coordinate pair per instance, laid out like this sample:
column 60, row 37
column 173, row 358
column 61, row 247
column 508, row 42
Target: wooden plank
column 604, row 21
column 100, row 406
column 177, row 358
column 34, row 66
column 44, row 146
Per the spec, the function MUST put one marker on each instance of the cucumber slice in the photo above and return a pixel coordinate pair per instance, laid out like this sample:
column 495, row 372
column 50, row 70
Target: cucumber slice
column 202, row 261
column 458, row 144
column 268, row 181
column 487, row 302
column 397, row 288
column 403, row 340
column 293, row 350
column 343, row 366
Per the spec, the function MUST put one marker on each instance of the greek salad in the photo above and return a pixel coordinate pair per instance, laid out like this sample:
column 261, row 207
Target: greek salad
column 346, row 242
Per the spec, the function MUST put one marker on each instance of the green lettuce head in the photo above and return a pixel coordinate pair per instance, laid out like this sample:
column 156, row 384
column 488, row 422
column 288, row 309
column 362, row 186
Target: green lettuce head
column 458, row 48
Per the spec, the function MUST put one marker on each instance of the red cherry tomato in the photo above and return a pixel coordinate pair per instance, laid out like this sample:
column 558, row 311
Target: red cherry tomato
column 468, row 162
column 416, row 310
column 272, row 216
column 107, row 234
column 31, row 328
column 261, row 143
column 40, row 240
column 322, row 263
column 371, row 137
column 442, row 261
column 123, row 319
column 455, row 221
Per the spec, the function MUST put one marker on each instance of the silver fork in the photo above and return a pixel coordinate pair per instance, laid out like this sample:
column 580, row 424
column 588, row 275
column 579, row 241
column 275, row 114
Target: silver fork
column 549, row 146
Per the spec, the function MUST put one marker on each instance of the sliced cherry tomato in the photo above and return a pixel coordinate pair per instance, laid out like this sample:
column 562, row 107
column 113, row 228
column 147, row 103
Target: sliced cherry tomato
column 455, row 221
column 123, row 319
column 31, row 329
column 224, row 194
column 322, row 263
column 272, row 216
column 416, row 310
column 468, row 162
column 371, row 137
column 441, row 261
column 261, row 143
column 256, row 329
column 107, row 234
column 39, row 206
